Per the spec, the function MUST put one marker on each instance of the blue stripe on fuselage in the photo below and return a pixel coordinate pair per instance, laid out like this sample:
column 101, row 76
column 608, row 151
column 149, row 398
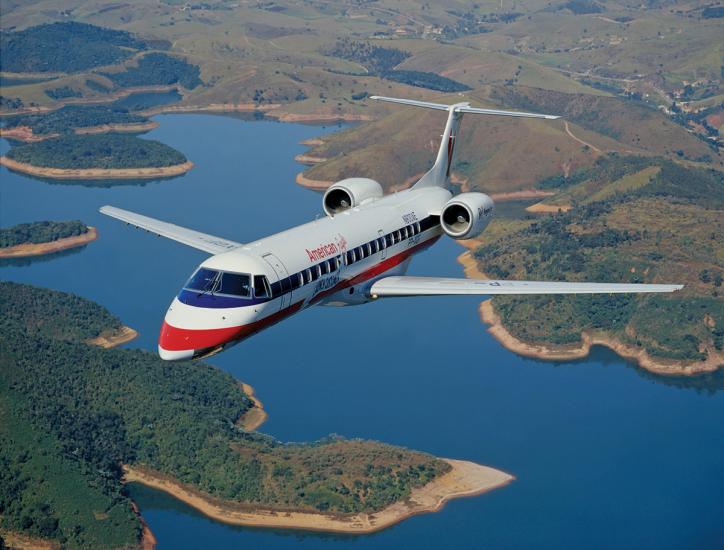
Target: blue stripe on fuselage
column 197, row 299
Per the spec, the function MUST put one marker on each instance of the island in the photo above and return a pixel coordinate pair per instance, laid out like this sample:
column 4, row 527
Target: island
column 626, row 219
column 46, row 237
column 83, row 420
column 110, row 156
column 91, row 119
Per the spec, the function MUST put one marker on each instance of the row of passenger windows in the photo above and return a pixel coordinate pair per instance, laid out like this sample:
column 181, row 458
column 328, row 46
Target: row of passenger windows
column 211, row 281
column 351, row 256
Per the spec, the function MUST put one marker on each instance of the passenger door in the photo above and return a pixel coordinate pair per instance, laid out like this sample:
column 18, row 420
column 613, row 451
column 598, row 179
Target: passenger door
column 281, row 273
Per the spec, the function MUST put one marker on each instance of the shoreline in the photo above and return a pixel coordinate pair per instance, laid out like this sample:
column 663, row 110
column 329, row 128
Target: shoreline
column 551, row 352
column 27, row 250
column 465, row 479
column 111, row 339
column 148, row 539
column 252, row 419
column 97, row 173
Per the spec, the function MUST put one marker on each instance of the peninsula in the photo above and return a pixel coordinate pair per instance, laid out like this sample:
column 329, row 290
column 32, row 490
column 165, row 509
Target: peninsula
column 110, row 156
column 123, row 418
column 626, row 209
column 464, row 479
column 47, row 237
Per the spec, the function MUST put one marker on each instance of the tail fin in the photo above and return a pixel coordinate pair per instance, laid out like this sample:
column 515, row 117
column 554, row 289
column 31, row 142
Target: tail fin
column 438, row 175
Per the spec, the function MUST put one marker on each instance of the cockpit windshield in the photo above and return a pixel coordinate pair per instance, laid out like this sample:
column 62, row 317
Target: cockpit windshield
column 210, row 281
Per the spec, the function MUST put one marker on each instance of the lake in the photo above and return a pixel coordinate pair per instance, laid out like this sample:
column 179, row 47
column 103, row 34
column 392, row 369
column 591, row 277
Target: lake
column 604, row 454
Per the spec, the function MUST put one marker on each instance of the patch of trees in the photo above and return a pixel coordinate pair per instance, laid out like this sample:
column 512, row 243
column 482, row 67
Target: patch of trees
column 65, row 47
column 40, row 232
column 381, row 61
column 97, row 151
column 63, row 92
column 11, row 102
column 713, row 12
column 583, row 7
column 422, row 79
column 158, row 69
column 66, row 119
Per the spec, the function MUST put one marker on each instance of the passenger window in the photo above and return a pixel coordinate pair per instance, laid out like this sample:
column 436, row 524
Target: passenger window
column 324, row 268
column 368, row 249
column 315, row 273
column 261, row 286
column 359, row 252
column 373, row 246
column 417, row 228
column 388, row 240
column 349, row 256
column 307, row 276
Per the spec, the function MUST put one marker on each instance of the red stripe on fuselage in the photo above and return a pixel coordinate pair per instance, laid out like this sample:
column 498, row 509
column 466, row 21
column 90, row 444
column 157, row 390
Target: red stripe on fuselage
column 181, row 339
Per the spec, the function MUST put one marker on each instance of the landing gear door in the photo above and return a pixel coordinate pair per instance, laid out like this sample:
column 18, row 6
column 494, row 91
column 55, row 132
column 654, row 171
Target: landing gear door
column 281, row 272
column 381, row 237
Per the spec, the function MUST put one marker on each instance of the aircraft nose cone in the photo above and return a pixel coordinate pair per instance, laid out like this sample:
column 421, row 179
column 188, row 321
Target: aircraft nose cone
column 174, row 344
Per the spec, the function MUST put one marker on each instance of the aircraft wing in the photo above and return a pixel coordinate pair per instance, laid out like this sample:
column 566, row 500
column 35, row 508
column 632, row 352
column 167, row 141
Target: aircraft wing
column 189, row 237
column 441, row 286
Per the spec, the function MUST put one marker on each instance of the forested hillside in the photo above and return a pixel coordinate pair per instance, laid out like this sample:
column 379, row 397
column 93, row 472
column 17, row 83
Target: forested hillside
column 78, row 412
column 633, row 220
column 65, row 47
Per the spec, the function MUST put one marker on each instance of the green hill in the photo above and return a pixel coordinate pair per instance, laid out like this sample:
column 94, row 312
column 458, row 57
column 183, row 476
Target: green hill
column 65, row 47
column 73, row 413
column 636, row 220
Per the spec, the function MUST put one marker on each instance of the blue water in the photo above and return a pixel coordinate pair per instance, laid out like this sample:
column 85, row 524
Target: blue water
column 604, row 454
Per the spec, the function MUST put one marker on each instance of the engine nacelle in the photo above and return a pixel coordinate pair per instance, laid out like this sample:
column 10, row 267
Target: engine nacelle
column 349, row 193
column 466, row 215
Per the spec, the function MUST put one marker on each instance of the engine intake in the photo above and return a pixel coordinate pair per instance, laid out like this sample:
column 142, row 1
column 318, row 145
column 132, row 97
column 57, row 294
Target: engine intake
column 466, row 215
column 349, row 193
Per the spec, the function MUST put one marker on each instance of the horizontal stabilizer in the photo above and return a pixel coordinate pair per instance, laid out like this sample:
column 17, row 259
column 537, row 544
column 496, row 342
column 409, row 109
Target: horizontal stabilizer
column 461, row 108
column 441, row 286
column 189, row 237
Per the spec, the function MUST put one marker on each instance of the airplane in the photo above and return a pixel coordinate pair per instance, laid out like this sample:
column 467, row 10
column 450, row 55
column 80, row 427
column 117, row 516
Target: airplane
column 358, row 253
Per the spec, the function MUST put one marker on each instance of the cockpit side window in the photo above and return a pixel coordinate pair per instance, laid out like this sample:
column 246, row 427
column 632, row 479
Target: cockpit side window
column 210, row 281
column 261, row 286
column 235, row 284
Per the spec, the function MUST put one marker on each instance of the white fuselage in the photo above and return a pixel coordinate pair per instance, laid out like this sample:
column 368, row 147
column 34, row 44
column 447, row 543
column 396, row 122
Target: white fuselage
column 330, row 261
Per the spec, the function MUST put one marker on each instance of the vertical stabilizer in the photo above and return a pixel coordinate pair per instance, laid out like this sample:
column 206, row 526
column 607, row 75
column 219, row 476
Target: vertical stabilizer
column 439, row 174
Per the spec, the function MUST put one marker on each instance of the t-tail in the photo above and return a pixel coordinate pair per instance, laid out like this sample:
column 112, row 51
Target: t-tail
column 439, row 174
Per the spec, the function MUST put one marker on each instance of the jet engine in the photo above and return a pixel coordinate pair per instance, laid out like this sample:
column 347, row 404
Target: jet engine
column 466, row 215
column 349, row 193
